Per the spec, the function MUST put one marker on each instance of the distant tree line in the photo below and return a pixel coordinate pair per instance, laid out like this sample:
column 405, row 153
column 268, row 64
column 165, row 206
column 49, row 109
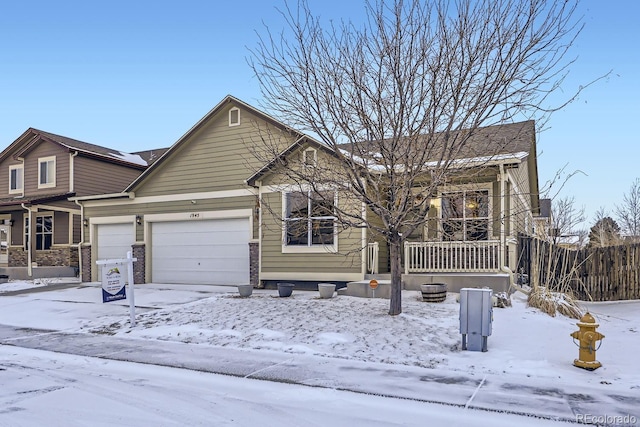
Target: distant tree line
column 607, row 229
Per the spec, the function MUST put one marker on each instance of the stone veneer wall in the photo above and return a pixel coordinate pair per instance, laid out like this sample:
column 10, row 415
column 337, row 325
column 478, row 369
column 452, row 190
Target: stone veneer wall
column 85, row 274
column 17, row 256
column 138, row 252
column 57, row 256
column 254, row 263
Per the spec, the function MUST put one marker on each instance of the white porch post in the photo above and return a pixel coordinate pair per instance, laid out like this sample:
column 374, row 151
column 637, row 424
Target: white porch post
column 501, row 256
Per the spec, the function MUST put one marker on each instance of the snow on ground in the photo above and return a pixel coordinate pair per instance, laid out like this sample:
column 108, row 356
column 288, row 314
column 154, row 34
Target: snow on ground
column 52, row 389
column 525, row 342
column 18, row 285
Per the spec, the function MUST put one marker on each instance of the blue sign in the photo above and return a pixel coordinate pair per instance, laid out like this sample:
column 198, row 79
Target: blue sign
column 113, row 285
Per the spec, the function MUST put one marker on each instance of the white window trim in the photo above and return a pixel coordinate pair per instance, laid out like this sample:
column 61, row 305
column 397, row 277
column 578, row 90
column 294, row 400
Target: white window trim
column 467, row 187
column 16, row 190
column 43, row 160
column 230, row 122
column 314, row 162
column 34, row 216
column 310, row 249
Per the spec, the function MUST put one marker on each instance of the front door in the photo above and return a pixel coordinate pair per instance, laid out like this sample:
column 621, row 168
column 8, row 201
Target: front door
column 4, row 245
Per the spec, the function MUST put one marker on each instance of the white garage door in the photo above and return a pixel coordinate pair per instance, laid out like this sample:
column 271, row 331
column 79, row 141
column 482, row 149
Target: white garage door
column 114, row 241
column 200, row 252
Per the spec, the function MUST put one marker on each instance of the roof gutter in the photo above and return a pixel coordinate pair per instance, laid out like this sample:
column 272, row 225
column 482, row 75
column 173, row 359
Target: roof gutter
column 127, row 195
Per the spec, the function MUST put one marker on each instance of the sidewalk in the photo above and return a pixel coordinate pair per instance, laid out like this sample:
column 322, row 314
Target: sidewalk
column 491, row 393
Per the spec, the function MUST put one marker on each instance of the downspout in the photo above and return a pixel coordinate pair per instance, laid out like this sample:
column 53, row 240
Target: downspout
column 81, row 238
column 29, row 254
column 71, row 190
column 502, row 216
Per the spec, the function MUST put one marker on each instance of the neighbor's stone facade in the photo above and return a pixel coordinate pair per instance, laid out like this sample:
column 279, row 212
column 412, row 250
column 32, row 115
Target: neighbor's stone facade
column 254, row 263
column 57, row 256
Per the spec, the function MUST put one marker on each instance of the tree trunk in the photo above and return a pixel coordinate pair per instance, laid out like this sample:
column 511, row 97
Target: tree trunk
column 395, row 248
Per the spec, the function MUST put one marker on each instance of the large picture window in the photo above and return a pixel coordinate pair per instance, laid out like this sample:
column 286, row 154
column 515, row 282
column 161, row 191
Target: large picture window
column 465, row 215
column 309, row 219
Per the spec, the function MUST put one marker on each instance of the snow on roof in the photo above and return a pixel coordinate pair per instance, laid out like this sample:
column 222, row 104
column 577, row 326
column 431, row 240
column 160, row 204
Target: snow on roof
column 130, row 158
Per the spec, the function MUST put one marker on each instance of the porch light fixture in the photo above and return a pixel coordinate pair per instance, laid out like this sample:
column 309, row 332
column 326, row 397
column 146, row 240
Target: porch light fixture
column 85, row 222
column 138, row 220
column 8, row 222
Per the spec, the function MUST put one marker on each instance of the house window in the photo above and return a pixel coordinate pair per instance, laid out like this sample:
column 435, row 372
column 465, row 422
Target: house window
column 465, row 215
column 46, row 172
column 16, row 178
column 44, row 232
column 309, row 157
column 310, row 219
column 234, row 117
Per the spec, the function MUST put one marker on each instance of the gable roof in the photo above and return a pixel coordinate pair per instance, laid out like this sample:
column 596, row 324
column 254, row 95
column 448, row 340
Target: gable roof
column 498, row 142
column 31, row 137
column 485, row 142
column 199, row 125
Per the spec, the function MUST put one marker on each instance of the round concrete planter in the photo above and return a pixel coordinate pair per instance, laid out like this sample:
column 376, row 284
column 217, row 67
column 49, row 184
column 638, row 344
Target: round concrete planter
column 285, row 289
column 326, row 290
column 245, row 290
column 436, row 292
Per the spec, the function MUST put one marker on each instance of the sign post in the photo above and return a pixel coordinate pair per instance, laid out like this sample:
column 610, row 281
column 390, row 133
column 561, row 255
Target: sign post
column 373, row 284
column 113, row 284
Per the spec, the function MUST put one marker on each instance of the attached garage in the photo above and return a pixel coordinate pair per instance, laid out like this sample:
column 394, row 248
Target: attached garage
column 114, row 241
column 211, row 251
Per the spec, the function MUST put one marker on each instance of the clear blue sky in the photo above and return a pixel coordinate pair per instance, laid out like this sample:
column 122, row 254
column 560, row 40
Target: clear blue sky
column 135, row 75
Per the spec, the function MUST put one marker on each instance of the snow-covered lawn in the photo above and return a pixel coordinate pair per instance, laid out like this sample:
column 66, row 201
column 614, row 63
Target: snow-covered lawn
column 525, row 342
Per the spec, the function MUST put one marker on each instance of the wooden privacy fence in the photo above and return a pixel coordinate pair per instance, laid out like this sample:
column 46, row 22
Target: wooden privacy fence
column 598, row 274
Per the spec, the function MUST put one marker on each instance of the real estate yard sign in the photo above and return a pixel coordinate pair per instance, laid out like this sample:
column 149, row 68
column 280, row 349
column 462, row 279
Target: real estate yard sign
column 112, row 284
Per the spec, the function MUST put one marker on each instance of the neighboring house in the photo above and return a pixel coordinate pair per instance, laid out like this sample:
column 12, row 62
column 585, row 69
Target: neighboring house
column 213, row 210
column 39, row 172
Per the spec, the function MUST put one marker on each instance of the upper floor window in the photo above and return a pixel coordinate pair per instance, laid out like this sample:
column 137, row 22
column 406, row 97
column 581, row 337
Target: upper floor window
column 16, row 178
column 309, row 157
column 234, row 117
column 46, row 172
column 310, row 219
column 465, row 215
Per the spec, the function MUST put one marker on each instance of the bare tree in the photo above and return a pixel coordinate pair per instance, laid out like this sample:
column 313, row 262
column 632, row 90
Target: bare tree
column 566, row 221
column 398, row 99
column 605, row 231
column 628, row 213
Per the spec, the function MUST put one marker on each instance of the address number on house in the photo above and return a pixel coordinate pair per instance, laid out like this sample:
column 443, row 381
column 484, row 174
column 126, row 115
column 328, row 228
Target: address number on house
column 194, row 215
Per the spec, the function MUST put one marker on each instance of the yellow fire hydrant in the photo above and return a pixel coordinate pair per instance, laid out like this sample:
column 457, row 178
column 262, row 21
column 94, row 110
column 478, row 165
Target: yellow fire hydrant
column 587, row 337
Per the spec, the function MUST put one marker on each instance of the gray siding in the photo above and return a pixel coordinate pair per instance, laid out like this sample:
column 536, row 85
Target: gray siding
column 218, row 157
column 31, row 166
column 96, row 177
column 348, row 260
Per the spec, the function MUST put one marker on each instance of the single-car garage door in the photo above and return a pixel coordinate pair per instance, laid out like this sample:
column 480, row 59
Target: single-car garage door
column 200, row 252
column 114, row 241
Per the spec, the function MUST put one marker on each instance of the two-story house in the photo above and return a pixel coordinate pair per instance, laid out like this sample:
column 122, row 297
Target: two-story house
column 40, row 229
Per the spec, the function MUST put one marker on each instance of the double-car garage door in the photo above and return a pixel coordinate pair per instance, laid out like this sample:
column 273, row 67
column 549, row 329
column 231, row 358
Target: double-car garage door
column 214, row 251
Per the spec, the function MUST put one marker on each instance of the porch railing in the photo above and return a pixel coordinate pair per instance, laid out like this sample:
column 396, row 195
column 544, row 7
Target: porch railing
column 451, row 257
column 372, row 258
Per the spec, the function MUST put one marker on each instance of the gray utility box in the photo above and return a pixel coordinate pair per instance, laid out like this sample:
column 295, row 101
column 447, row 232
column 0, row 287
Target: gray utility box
column 476, row 317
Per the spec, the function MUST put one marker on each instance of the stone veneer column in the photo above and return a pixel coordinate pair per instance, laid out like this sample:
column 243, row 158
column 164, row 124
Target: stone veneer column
column 85, row 253
column 254, row 263
column 138, row 252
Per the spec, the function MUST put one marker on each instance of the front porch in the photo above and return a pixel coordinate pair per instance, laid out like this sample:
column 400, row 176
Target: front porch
column 473, row 264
